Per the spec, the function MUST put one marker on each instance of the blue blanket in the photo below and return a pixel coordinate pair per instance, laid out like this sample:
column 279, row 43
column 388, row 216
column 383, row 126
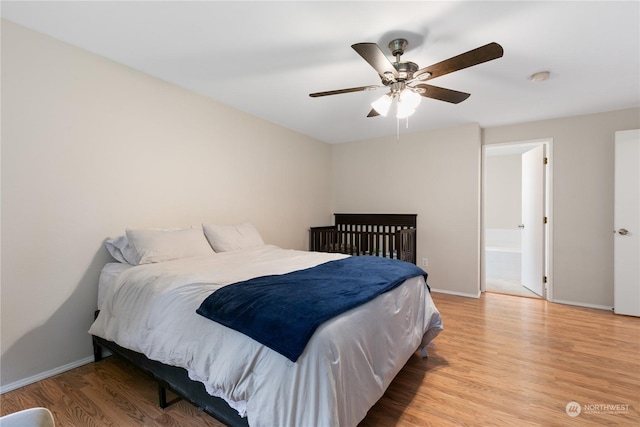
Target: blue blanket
column 283, row 311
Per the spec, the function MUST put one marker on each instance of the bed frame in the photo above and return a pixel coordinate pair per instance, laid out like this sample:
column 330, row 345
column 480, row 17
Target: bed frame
column 390, row 235
column 174, row 379
column 385, row 235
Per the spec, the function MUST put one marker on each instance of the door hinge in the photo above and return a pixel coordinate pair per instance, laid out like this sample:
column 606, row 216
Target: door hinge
column 544, row 220
column 544, row 279
column 545, row 161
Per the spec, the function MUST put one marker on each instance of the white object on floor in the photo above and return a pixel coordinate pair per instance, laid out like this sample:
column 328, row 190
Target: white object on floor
column 34, row 417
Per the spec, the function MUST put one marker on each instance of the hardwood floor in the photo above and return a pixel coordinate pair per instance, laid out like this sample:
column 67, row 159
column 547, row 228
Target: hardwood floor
column 501, row 361
column 512, row 361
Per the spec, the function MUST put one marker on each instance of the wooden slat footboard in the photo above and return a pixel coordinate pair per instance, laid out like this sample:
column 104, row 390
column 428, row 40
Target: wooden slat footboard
column 406, row 242
column 386, row 235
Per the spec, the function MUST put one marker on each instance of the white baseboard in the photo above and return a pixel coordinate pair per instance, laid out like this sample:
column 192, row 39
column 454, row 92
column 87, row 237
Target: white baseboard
column 46, row 374
column 557, row 301
column 460, row 294
column 582, row 304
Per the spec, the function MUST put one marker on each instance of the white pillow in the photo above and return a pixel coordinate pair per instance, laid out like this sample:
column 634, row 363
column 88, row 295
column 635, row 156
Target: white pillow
column 121, row 250
column 152, row 245
column 225, row 238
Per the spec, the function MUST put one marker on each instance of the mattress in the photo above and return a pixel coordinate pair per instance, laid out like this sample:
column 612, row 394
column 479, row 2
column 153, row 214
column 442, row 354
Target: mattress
column 345, row 368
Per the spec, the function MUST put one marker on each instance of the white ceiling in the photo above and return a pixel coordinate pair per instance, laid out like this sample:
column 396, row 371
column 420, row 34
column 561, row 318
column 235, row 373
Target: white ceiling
column 265, row 57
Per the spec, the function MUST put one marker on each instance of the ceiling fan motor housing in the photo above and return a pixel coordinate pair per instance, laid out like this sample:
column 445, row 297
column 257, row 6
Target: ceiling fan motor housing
column 405, row 69
column 405, row 72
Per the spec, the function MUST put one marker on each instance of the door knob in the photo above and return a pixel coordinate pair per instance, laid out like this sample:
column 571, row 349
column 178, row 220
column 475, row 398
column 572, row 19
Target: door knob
column 623, row 232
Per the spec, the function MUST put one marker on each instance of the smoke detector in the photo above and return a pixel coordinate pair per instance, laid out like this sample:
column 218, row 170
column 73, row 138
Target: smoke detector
column 540, row 76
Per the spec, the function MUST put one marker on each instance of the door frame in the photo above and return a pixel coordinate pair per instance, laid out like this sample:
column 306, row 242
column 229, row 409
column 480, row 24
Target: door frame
column 516, row 147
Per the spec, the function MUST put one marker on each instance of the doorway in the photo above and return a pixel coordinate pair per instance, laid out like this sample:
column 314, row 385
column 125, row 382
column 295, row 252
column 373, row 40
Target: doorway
column 516, row 202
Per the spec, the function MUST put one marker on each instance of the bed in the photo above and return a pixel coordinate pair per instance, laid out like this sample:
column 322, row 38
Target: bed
column 147, row 314
column 383, row 235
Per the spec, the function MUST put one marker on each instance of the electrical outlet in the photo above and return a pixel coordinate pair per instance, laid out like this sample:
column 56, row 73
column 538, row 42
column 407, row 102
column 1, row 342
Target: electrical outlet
column 425, row 262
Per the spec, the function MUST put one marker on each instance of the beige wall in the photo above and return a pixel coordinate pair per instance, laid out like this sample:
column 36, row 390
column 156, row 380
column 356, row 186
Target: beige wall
column 582, row 214
column 90, row 147
column 433, row 174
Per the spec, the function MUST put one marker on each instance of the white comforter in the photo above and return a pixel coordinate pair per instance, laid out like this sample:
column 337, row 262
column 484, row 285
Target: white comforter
column 344, row 370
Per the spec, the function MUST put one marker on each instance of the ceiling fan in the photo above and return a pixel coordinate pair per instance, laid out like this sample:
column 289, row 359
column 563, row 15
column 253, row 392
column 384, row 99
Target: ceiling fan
column 405, row 80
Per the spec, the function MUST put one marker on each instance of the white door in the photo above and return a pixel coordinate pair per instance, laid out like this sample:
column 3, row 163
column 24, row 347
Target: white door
column 533, row 220
column 626, row 218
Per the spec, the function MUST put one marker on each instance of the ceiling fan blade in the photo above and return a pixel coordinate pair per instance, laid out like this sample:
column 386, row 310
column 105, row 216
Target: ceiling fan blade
column 476, row 56
column 371, row 53
column 443, row 94
column 337, row 92
column 373, row 113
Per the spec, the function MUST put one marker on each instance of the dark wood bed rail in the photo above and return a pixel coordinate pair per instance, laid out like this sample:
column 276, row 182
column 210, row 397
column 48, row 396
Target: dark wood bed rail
column 386, row 235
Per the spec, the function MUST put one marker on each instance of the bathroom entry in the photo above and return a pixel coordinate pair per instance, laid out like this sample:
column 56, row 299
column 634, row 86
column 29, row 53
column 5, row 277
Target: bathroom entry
column 515, row 192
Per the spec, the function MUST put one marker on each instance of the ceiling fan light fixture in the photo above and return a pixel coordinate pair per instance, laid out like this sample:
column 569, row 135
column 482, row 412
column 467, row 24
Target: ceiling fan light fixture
column 382, row 104
column 410, row 98
column 404, row 110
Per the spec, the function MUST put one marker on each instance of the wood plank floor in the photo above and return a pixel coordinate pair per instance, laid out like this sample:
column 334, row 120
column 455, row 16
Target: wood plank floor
column 501, row 361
